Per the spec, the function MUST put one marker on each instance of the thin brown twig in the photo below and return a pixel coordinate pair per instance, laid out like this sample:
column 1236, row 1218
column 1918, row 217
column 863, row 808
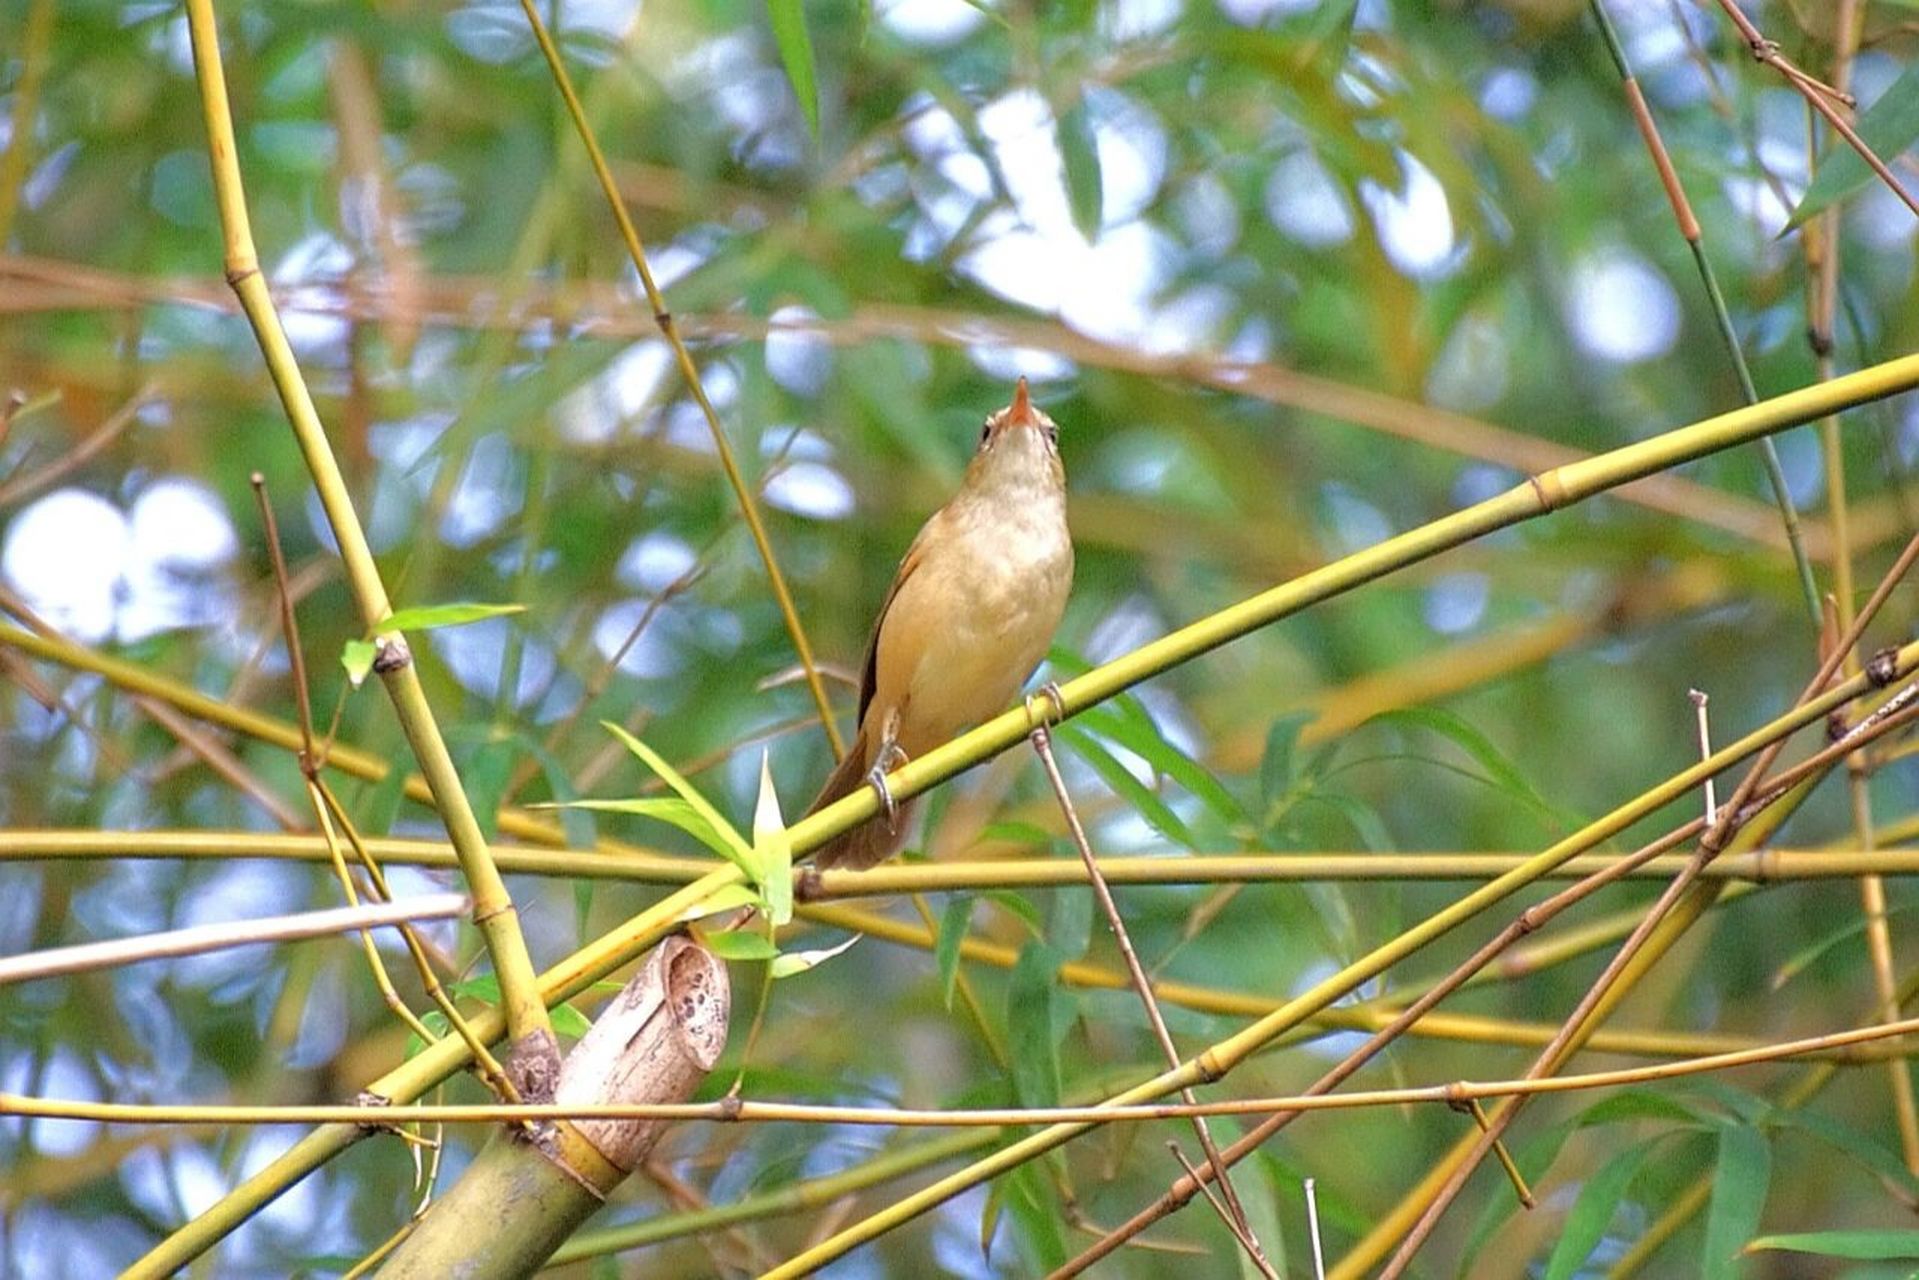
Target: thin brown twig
column 96, row 442
column 1232, row 1212
column 760, row 1112
column 1821, row 97
column 749, row 509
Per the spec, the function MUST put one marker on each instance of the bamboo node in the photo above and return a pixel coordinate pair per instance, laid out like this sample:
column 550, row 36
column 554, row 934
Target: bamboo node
column 533, row 1066
column 1883, row 667
column 372, row 1101
column 1550, row 489
column 236, row 275
column 391, row 654
column 807, row 885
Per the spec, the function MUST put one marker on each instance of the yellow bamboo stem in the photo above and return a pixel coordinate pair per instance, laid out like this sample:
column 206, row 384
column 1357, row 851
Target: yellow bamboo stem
column 493, row 911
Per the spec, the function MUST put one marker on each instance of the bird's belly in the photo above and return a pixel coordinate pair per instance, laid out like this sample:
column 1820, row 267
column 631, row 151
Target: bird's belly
column 997, row 614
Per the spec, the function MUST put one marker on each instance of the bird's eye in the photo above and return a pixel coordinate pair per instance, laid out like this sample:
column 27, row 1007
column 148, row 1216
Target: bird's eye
column 1052, row 435
column 985, row 430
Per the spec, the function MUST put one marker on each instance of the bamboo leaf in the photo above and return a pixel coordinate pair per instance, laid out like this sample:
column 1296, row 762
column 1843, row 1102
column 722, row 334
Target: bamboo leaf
column 1861, row 1246
column 792, row 962
column 1029, row 1025
column 1593, row 1211
column 946, row 948
column 427, row 617
column 1805, row 957
column 1739, row 1182
column 739, row 944
column 357, row 657
column 773, row 849
column 1126, row 721
column 1149, row 804
column 668, row 809
column 728, row 897
column 1889, row 126
column 1079, row 162
column 796, row 54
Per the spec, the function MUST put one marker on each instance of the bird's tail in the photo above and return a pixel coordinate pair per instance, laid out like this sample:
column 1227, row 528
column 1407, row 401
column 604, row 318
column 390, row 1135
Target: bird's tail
column 871, row 842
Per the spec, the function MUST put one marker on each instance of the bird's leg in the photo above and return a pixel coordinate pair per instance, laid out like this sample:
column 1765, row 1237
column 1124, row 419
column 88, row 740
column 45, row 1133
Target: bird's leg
column 890, row 756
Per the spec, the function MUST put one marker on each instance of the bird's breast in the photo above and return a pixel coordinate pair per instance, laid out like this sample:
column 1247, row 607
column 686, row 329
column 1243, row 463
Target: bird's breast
column 987, row 599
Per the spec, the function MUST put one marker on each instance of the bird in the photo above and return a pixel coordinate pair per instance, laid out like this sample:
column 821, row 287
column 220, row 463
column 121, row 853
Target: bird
column 971, row 611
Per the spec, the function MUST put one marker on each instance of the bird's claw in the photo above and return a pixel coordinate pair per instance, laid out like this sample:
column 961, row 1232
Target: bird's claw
column 1048, row 692
column 890, row 756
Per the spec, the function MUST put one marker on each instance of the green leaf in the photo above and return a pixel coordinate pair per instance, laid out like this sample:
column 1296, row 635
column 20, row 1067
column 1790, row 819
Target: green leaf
column 739, row 944
column 1863, row 1246
column 773, row 850
column 1593, row 1211
column 1889, row 126
column 1079, row 157
column 796, row 52
column 1158, row 814
column 728, row 897
column 1030, row 994
column 1126, row 721
column 357, row 657
column 427, row 617
column 946, row 948
column 569, row 1021
column 1802, row 959
column 380, row 803
column 667, row 809
column 1739, row 1181
column 1019, row 908
column 1027, row 833
column 1276, row 764
column 1861, row 1147
column 1069, row 922
column 720, row 835
column 485, row 776
column 792, row 962
column 1500, row 771
column 1037, row 1211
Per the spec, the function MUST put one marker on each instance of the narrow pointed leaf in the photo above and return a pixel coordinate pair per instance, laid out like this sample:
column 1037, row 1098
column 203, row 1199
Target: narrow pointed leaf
column 796, row 54
column 792, row 962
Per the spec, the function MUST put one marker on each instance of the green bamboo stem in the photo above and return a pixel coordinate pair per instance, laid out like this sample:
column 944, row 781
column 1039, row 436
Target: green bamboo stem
column 1537, row 496
column 1759, row 867
column 1722, row 318
column 493, row 911
column 742, row 492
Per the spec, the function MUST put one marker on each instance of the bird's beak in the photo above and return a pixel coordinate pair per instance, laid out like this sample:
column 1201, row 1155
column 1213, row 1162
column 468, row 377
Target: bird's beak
column 1020, row 413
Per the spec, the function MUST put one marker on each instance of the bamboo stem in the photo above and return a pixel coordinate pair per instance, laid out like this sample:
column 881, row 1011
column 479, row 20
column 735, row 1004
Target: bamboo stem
column 493, row 911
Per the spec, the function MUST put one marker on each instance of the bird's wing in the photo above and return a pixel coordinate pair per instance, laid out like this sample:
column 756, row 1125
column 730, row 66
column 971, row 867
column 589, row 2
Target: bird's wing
column 869, row 668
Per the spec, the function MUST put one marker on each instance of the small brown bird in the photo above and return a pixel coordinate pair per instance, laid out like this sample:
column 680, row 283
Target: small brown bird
column 968, row 617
